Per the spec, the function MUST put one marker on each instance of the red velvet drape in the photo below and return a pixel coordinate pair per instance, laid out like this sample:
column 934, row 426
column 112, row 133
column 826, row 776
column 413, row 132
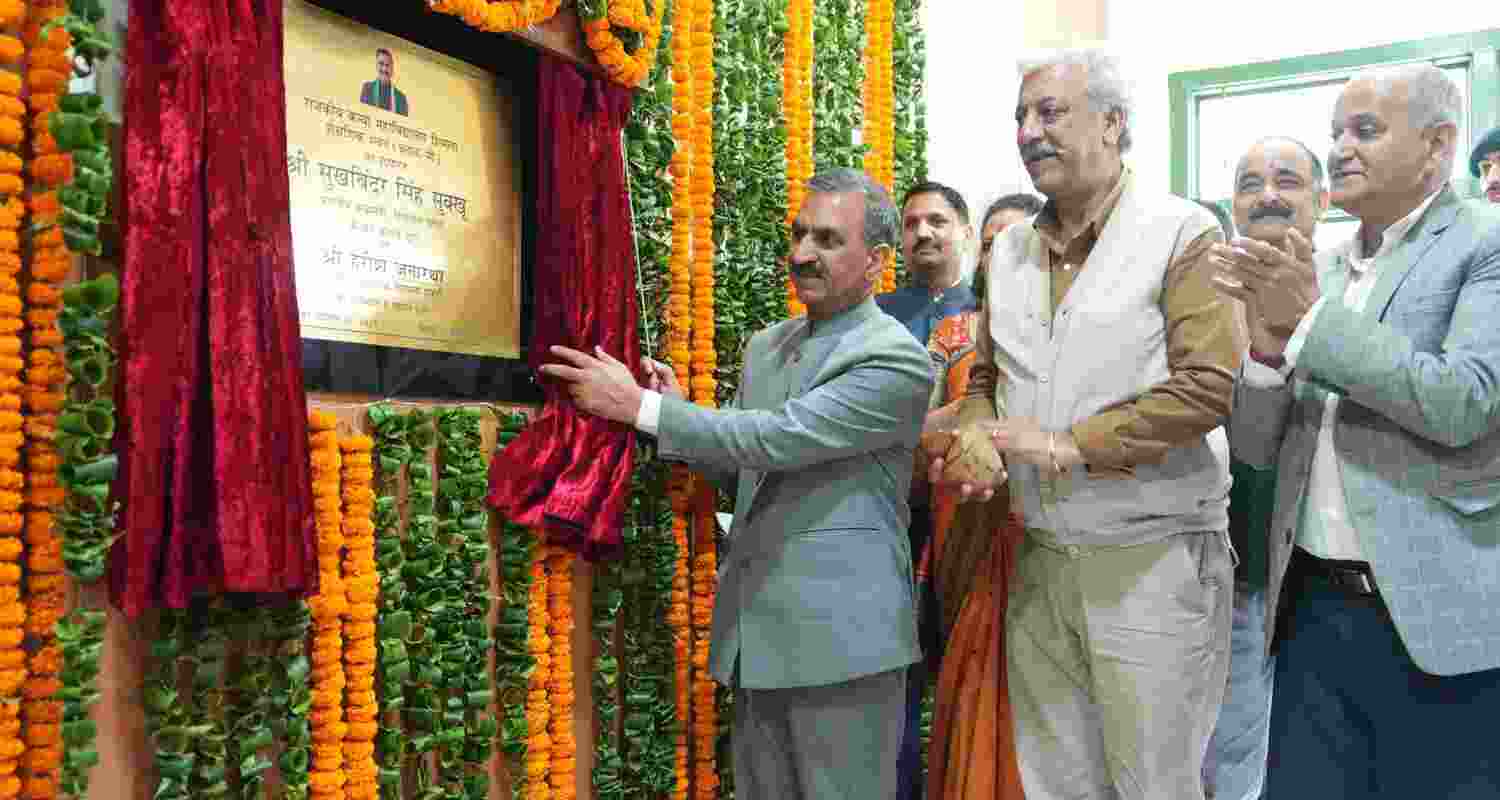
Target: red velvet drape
column 213, row 440
column 569, row 473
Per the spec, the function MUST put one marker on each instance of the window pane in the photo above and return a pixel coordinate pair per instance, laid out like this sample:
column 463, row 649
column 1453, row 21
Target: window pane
column 1229, row 124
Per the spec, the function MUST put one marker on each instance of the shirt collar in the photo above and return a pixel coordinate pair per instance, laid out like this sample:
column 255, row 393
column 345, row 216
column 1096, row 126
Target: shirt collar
column 1050, row 230
column 1389, row 238
column 844, row 321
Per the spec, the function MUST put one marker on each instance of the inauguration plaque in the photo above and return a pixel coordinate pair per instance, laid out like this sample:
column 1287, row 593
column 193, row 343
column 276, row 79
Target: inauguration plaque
column 405, row 191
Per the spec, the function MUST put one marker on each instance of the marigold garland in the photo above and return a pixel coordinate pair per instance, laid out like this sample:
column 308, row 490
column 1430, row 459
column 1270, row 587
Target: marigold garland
column 880, row 108
column 362, row 587
column 497, row 16
column 679, row 620
column 679, row 320
column 796, row 82
column 537, row 762
column 704, row 354
column 600, row 17
column 326, row 777
column 46, row 593
column 563, row 776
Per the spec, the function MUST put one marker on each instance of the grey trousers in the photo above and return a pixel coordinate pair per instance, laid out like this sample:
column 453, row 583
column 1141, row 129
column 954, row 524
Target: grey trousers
column 1117, row 663
column 836, row 742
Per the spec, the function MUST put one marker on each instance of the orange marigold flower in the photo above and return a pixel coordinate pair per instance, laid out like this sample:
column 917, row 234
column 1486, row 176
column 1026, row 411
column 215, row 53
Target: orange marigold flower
column 43, row 710
column 46, row 80
column 41, row 584
column 50, row 269
column 42, row 293
column 42, row 102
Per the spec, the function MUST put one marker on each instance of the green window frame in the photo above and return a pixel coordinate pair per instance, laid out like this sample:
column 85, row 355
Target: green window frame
column 1477, row 50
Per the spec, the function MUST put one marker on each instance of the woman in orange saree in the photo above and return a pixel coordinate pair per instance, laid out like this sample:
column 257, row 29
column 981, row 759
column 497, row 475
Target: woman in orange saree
column 969, row 561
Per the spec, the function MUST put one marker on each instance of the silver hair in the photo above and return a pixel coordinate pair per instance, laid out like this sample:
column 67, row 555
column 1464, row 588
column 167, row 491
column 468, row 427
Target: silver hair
column 882, row 222
column 1432, row 97
column 1107, row 88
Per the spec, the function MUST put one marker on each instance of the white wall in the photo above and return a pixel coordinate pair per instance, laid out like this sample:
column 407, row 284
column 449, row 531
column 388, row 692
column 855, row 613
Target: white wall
column 1265, row 31
column 972, row 47
column 972, row 50
column 971, row 95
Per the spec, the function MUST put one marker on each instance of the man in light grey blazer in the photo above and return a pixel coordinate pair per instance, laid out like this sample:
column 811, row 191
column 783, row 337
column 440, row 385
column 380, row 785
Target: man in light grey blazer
column 1377, row 399
column 814, row 621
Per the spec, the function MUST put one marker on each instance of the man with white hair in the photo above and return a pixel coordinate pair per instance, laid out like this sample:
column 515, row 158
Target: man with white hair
column 1105, row 370
column 1374, row 389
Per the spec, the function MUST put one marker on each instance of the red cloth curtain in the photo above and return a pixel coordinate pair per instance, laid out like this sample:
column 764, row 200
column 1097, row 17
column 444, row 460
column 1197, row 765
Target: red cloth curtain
column 567, row 473
column 214, row 481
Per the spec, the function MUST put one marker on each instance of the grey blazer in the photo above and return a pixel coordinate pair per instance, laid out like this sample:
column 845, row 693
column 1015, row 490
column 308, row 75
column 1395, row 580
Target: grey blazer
column 1417, row 432
column 815, row 585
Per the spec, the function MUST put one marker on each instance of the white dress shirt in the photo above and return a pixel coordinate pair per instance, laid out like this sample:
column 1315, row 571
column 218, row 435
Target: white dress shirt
column 1325, row 529
column 649, row 416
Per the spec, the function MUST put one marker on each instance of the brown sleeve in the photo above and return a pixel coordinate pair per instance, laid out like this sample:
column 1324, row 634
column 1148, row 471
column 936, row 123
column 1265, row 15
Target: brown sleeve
column 985, row 380
column 1203, row 354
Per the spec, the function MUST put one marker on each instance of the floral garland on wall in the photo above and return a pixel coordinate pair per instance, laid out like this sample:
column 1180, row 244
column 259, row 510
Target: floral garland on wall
column 797, row 111
column 749, row 144
column 497, row 16
column 909, row 60
column 838, row 83
column 879, row 120
column 624, row 36
column 48, row 69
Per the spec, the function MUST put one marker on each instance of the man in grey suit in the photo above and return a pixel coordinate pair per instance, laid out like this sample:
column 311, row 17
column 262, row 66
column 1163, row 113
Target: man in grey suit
column 814, row 623
column 1375, row 392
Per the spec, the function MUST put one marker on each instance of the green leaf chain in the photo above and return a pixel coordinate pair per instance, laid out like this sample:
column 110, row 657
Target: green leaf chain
column 463, row 528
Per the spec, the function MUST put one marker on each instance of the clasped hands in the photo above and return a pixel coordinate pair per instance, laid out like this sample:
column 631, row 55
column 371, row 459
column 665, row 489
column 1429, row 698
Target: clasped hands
column 1277, row 285
column 1015, row 441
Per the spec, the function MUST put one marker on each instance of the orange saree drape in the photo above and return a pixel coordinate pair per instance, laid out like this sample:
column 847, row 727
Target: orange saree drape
column 972, row 753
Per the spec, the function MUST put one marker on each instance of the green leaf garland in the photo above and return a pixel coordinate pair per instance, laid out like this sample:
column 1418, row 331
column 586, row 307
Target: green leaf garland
column 424, row 570
column 82, row 128
column 252, row 697
column 838, row 83
column 648, row 680
column 513, row 661
column 206, row 652
column 394, row 454
column 291, row 697
column 168, row 721
column 749, row 166
column 464, row 528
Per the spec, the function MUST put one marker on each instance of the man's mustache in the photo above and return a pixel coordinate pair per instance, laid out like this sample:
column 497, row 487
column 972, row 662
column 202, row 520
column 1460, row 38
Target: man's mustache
column 808, row 269
column 1263, row 212
column 1035, row 151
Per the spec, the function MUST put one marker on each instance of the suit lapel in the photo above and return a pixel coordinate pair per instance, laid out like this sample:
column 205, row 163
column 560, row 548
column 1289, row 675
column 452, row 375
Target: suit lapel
column 1418, row 241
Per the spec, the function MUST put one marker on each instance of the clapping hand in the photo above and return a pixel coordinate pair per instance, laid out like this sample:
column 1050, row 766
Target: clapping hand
column 1277, row 286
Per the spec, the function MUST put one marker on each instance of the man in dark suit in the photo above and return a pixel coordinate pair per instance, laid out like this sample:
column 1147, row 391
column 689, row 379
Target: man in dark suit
column 1371, row 389
column 382, row 92
column 813, row 624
